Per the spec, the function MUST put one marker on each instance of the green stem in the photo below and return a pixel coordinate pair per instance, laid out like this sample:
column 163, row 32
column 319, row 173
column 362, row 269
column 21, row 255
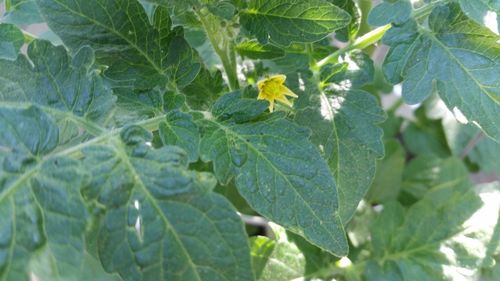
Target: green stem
column 8, row 5
column 360, row 43
column 223, row 46
column 28, row 37
column 375, row 35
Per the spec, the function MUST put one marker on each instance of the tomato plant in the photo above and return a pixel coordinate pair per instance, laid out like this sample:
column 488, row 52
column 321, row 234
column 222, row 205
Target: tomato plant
column 249, row 140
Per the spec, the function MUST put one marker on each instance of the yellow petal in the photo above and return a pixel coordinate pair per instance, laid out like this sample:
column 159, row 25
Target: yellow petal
column 284, row 100
column 287, row 92
column 279, row 78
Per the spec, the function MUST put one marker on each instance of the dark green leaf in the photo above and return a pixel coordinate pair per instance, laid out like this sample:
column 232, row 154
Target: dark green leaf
column 204, row 90
column 40, row 201
column 343, row 126
column 22, row 12
column 349, row 32
column 287, row 21
column 274, row 164
column 11, row 41
column 138, row 54
column 457, row 57
column 179, row 129
column 390, row 11
column 162, row 221
column 66, row 87
column 425, row 136
column 426, row 171
column 354, row 71
column 389, row 174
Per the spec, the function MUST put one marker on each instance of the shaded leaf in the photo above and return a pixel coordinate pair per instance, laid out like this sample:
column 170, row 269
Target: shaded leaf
column 180, row 130
column 11, row 41
column 138, row 54
column 351, row 30
column 389, row 175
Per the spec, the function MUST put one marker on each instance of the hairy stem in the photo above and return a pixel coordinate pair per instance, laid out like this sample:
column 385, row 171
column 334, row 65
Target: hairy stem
column 223, row 46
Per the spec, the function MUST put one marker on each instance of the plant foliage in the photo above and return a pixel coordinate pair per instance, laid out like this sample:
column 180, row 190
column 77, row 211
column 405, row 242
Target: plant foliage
column 134, row 144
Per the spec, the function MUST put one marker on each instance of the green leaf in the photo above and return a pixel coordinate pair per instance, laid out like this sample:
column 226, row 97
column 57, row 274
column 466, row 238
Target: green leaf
column 22, row 12
column 162, row 222
column 390, row 11
column 276, row 260
column 467, row 140
column 426, row 171
column 349, row 32
column 11, row 41
column 273, row 164
column 179, row 129
column 39, row 200
column 204, row 90
column 66, row 87
column 343, row 126
column 354, row 71
column 442, row 237
column 286, row 21
column 457, row 57
column 137, row 53
column 389, row 174
column 485, row 12
column 253, row 50
column 425, row 136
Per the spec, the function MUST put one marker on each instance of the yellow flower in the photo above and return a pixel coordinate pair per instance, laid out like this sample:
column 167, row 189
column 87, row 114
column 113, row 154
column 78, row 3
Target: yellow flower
column 272, row 89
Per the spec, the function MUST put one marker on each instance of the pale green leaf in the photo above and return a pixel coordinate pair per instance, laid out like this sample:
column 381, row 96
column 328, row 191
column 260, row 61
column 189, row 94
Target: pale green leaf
column 485, row 12
column 162, row 222
column 138, row 54
column 11, row 40
column 254, row 50
column 444, row 236
column 278, row 171
column 344, row 128
column 276, row 260
column 469, row 141
column 287, row 21
column 458, row 57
